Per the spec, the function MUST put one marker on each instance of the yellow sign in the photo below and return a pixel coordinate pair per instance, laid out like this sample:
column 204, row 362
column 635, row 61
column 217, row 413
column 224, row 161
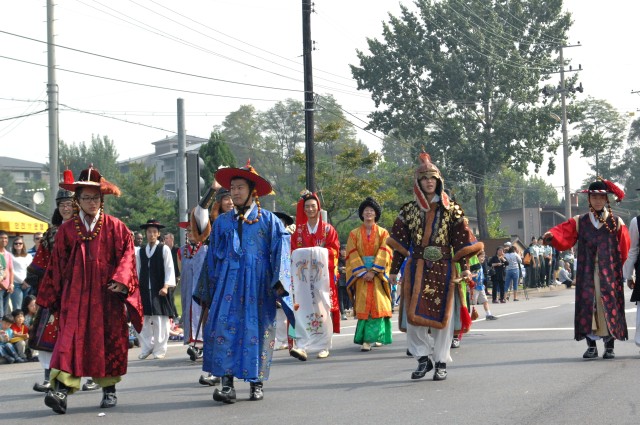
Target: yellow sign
column 16, row 222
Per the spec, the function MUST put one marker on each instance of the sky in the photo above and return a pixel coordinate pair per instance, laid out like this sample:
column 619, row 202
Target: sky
column 250, row 53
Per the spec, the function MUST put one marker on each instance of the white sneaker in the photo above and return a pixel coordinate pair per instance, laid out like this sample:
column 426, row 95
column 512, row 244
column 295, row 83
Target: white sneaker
column 143, row 356
column 323, row 354
column 365, row 347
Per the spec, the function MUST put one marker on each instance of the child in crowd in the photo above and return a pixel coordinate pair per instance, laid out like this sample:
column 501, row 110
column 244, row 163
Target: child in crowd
column 7, row 350
column 20, row 333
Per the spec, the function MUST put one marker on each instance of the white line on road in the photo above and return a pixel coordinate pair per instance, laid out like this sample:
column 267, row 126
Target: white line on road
column 547, row 308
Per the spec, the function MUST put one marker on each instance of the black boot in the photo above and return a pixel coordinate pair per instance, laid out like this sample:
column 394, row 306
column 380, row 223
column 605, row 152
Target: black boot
column 424, row 366
column 42, row 388
column 256, row 391
column 227, row 394
column 209, row 379
column 109, row 398
column 57, row 399
column 592, row 350
column 608, row 348
column 441, row 372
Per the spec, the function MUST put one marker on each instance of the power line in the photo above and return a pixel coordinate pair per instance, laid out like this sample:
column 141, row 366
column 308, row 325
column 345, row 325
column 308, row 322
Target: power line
column 24, row 115
column 141, row 84
column 70, row 108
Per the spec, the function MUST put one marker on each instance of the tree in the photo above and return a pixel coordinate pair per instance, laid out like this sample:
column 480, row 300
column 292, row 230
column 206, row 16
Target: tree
column 463, row 79
column 241, row 130
column 141, row 200
column 9, row 187
column 101, row 152
column 601, row 135
column 215, row 153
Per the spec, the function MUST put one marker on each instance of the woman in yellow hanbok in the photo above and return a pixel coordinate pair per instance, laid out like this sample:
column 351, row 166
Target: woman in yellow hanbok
column 368, row 265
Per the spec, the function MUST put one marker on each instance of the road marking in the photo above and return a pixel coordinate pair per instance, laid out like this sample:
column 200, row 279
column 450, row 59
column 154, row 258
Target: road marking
column 547, row 308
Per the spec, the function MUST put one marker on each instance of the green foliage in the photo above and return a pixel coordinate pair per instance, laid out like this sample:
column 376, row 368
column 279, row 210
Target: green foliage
column 141, row 200
column 9, row 187
column 601, row 133
column 101, row 152
column 462, row 78
column 215, row 153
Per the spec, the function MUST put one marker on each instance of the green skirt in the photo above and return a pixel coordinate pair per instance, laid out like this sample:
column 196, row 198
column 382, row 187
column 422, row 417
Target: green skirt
column 373, row 330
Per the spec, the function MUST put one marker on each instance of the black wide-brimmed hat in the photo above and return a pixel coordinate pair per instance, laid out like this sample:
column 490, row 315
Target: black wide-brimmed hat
column 370, row 202
column 152, row 223
column 286, row 218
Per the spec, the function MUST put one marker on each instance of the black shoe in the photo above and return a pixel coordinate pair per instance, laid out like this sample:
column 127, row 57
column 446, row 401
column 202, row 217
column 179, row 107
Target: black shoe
column 441, row 372
column 194, row 353
column 256, row 391
column 455, row 343
column 227, row 394
column 424, row 366
column 57, row 401
column 109, row 398
column 42, row 388
column 409, row 353
column 609, row 354
column 90, row 385
column 209, row 380
column 591, row 353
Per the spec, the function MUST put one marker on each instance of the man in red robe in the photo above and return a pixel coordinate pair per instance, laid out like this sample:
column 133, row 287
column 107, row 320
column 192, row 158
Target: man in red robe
column 603, row 246
column 91, row 280
column 312, row 231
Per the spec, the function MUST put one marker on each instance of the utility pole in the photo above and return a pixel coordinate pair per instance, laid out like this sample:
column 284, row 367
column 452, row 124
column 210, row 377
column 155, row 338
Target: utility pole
column 52, row 106
column 308, row 95
column 565, row 141
column 181, row 175
column 563, row 90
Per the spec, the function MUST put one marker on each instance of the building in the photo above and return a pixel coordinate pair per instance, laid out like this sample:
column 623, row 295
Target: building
column 165, row 160
column 23, row 172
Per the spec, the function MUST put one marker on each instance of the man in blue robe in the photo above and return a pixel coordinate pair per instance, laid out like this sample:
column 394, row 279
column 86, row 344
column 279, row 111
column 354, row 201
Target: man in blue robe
column 248, row 262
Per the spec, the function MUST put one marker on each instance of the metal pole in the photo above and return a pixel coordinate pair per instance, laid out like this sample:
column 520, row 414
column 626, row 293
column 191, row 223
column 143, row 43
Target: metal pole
column 565, row 141
column 308, row 95
column 181, row 175
column 52, row 105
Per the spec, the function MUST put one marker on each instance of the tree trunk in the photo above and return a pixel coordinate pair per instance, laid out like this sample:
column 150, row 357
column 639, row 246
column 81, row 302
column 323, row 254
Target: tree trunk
column 481, row 207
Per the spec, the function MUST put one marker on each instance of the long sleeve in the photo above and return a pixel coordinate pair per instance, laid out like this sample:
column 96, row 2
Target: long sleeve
column 629, row 264
column 623, row 240
column 565, row 235
column 169, row 272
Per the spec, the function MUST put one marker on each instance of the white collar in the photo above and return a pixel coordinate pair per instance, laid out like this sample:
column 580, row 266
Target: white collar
column 597, row 223
column 313, row 229
column 247, row 212
column 152, row 249
column 91, row 225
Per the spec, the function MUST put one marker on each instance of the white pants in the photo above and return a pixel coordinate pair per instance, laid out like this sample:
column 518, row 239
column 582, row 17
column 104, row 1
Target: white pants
column 281, row 328
column 154, row 335
column 437, row 345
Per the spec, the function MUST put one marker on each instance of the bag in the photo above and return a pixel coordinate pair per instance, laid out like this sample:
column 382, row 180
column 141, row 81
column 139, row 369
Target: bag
column 527, row 258
column 44, row 330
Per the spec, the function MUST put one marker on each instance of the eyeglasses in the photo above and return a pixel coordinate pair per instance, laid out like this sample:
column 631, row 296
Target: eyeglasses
column 94, row 199
column 18, row 243
column 65, row 205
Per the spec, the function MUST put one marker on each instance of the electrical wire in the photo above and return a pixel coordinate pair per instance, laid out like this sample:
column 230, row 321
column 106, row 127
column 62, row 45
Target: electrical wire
column 70, row 108
column 118, row 80
column 24, row 115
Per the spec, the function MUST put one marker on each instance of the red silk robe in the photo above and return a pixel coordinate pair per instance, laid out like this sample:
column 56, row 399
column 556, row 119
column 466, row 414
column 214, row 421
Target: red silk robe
column 327, row 237
column 93, row 334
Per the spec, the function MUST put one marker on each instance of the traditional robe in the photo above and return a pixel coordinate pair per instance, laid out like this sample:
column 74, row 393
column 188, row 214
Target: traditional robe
column 433, row 240
column 192, row 260
column 599, row 279
column 372, row 299
column 93, row 338
column 242, row 272
column 325, row 236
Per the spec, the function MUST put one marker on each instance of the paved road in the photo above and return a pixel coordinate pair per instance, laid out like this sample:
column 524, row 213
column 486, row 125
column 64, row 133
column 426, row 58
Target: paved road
column 524, row 368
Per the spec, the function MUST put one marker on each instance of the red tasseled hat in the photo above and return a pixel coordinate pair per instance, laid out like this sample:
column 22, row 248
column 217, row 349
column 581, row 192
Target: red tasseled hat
column 90, row 177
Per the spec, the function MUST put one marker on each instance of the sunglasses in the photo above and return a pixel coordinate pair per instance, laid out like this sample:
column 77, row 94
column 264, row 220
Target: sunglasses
column 18, row 243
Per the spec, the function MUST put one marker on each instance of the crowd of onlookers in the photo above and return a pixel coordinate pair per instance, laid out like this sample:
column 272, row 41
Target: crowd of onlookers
column 17, row 298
